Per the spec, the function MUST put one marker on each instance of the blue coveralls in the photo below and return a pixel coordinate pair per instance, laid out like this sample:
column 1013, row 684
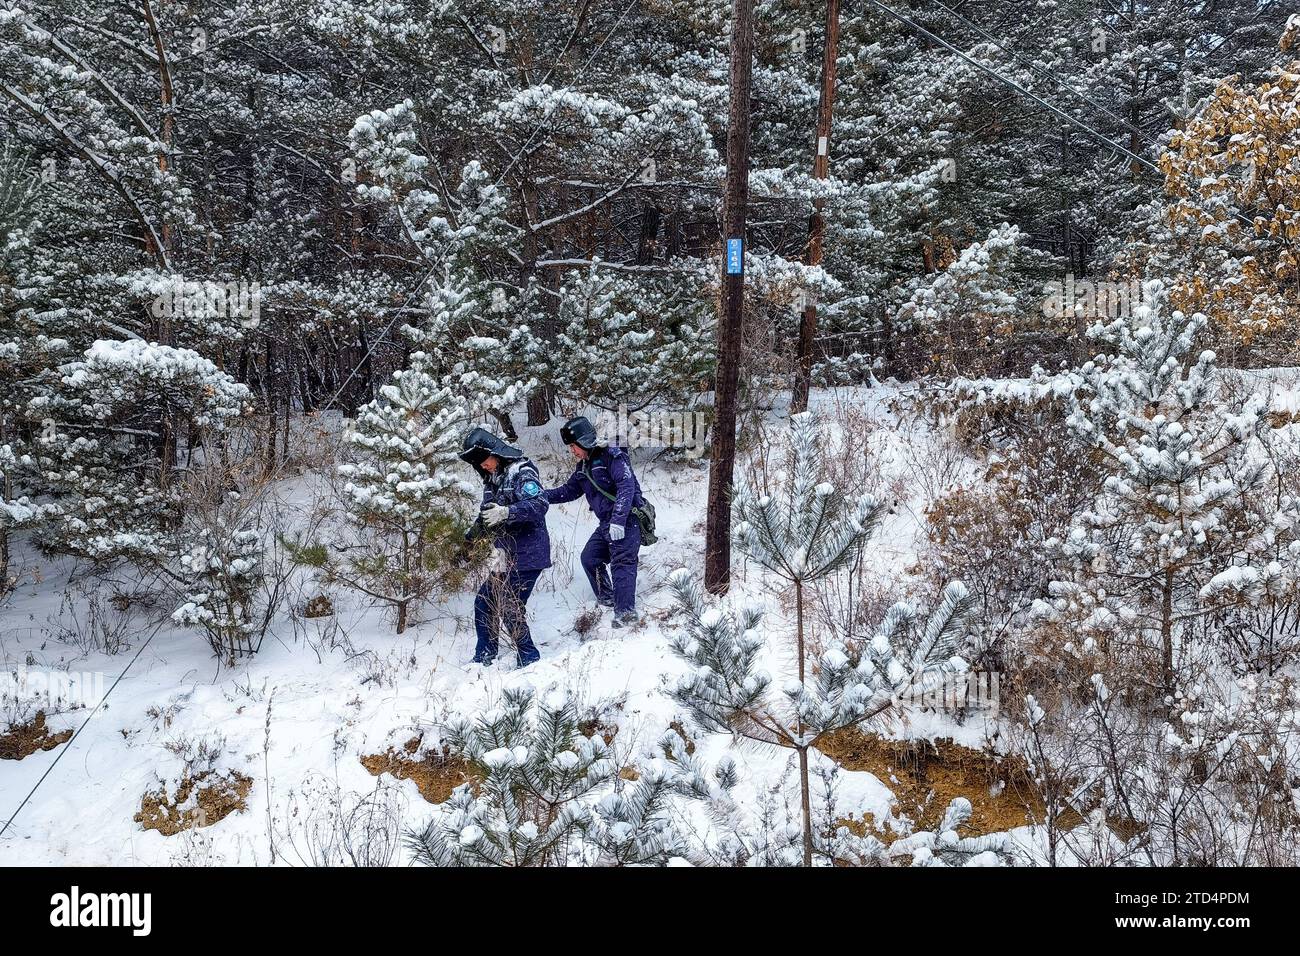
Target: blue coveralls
column 610, row 469
column 527, row 546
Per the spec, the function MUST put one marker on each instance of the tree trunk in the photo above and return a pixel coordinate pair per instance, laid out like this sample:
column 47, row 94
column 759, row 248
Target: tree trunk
column 365, row 388
column 6, row 492
column 407, row 565
column 508, row 432
column 817, row 225
column 1167, row 632
column 270, row 403
column 539, row 402
column 799, row 725
column 717, row 538
column 539, row 406
column 167, row 132
column 648, row 242
column 805, row 798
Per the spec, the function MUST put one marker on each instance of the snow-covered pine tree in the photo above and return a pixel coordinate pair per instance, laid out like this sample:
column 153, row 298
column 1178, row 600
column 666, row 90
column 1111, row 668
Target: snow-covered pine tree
column 224, row 573
column 809, row 529
column 111, row 434
column 476, row 339
column 527, row 812
column 960, row 311
column 476, row 349
column 18, row 202
column 729, row 691
column 632, row 342
column 1174, row 535
column 551, row 795
column 801, row 534
column 402, row 487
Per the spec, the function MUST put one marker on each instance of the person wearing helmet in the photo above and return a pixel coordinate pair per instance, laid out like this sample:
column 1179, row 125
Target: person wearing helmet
column 513, row 512
column 604, row 475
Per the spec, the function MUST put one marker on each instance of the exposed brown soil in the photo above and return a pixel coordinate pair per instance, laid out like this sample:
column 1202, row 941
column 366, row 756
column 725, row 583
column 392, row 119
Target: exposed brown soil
column 318, row 606
column 1280, row 419
column 677, row 727
column 597, row 725
column 926, row 777
column 436, row 774
column 23, row 740
column 218, row 796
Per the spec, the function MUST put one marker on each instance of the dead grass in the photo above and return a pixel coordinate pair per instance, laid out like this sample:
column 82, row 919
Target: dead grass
column 436, row 774
column 318, row 606
column 926, row 777
column 585, row 623
column 598, row 725
column 217, row 797
column 23, row 740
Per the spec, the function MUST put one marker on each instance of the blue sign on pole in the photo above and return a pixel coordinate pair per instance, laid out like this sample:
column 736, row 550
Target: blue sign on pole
column 735, row 257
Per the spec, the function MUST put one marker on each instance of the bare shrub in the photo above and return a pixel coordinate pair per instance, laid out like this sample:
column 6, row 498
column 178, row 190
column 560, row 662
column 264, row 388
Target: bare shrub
column 93, row 619
column 236, row 561
column 936, row 463
column 327, row 826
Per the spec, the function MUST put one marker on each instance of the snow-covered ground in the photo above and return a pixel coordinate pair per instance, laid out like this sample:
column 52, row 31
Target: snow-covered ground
column 317, row 698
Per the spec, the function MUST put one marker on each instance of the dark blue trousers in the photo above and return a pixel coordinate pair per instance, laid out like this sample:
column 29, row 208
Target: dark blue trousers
column 502, row 601
column 601, row 556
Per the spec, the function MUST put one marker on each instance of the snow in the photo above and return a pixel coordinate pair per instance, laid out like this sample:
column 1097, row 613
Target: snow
column 313, row 701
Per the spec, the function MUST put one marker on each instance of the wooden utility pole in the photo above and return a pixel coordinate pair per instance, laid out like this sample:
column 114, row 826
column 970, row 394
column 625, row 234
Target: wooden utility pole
column 717, row 536
column 817, row 225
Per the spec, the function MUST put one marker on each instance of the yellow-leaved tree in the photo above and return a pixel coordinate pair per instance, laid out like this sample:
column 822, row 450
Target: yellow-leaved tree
column 1232, row 176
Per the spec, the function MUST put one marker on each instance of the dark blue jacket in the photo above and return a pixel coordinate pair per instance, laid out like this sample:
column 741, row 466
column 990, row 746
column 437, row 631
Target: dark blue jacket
column 523, row 537
column 611, row 470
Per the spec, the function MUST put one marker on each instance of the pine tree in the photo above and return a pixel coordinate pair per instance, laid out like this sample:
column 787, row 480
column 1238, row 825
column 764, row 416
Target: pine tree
column 631, row 343
column 102, row 460
column 728, row 691
column 476, row 350
column 551, row 795
column 18, row 211
column 402, row 486
column 945, row 847
column 224, row 573
column 961, row 311
column 1172, row 537
column 801, row 535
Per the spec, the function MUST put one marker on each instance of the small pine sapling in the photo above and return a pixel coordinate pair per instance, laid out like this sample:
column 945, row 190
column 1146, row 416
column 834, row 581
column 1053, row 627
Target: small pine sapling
column 551, row 795
column 945, row 847
column 727, row 690
column 802, row 535
column 1182, row 528
column 402, row 483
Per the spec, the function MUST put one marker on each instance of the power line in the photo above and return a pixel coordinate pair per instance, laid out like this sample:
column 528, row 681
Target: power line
column 1016, row 86
column 906, row 21
column 1043, row 72
column 68, row 746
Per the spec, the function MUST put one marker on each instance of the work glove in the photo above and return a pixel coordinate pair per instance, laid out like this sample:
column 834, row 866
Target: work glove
column 494, row 515
column 616, row 532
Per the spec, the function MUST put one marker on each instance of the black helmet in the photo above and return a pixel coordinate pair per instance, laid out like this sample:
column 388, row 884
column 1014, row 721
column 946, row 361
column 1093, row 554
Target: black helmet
column 480, row 443
column 579, row 431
